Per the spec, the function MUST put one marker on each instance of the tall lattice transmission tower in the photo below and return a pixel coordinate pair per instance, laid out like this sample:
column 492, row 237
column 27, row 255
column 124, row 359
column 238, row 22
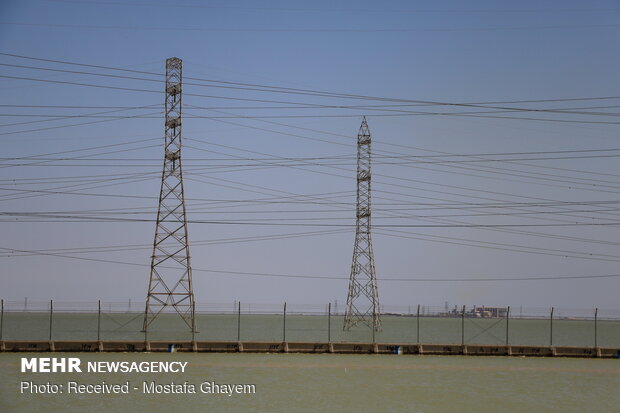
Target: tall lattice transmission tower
column 170, row 284
column 363, row 298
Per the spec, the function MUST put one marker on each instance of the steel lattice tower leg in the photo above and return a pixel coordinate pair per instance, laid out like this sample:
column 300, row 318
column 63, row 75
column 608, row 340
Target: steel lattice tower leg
column 363, row 298
column 170, row 284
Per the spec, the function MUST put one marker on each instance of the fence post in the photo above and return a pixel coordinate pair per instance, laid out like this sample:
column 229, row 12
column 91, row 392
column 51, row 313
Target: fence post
column 463, row 326
column 595, row 327
column 1, row 319
column 329, row 323
column 284, row 325
column 551, row 329
column 51, row 317
column 417, row 327
column 507, row 320
column 239, row 321
column 99, row 321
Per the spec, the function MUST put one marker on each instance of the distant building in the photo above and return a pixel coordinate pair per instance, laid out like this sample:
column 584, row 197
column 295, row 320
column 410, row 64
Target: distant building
column 477, row 312
column 488, row 312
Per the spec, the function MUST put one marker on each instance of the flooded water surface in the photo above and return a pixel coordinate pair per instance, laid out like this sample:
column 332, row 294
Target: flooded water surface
column 323, row 383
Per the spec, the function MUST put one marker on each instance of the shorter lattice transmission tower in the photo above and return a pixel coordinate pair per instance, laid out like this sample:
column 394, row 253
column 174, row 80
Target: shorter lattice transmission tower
column 170, row 283
column 363, row 298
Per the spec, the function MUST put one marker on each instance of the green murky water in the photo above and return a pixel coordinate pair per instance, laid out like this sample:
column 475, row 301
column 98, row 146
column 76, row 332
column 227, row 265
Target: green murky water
column 334, row 383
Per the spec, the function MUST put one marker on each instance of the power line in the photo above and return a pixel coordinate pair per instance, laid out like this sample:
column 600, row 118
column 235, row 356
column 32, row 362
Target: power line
column 261, row 222
column 73, row 125
column 391, row 144
column 347, row 10
column 88, row 148
column 326, row 93
column 220, row 241
column 387, row 278
column 41, row 160
column 406, row 159
column 71, row 107
column 392, row 184
column 278, row 89
column 314, row 93
column 311, row 30
column 309, row 139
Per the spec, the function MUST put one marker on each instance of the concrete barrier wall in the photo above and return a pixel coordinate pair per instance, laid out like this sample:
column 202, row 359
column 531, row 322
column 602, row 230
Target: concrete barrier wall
column 75, row 346
column 575, row 352
column 122, row 346
column 531, row 351
column 477, row 350
column 309, row 347
column 263, row 347
column 353, row 348
column 441, row 349
column 218, row 346
column 24, row 346
column 305, row 347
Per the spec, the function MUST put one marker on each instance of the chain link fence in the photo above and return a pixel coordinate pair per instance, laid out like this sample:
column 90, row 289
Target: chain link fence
column 123, row 321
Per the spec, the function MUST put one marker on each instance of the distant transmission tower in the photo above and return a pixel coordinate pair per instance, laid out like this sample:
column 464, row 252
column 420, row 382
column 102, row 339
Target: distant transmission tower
column 170, row 284
column 363, row 298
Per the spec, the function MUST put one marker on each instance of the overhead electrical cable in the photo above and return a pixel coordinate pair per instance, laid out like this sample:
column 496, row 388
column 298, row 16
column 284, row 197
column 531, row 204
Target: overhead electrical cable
column 386, row 278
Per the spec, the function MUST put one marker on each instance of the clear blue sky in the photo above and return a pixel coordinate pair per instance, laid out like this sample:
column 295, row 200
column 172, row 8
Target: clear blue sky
column 446, row 51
